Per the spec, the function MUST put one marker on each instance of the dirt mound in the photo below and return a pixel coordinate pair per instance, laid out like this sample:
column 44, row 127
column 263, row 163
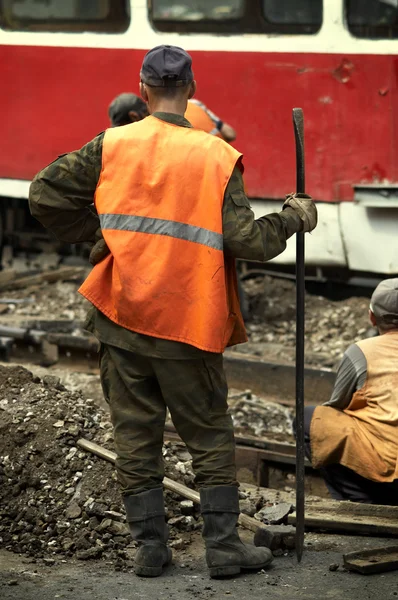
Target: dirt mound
column 56, row 499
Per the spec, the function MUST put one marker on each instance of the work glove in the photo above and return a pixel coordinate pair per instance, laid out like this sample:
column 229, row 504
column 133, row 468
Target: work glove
column 100, row 249
column 305, row 208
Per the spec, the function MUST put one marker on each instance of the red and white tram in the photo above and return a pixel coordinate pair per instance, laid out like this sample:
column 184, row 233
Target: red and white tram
column 62, row 61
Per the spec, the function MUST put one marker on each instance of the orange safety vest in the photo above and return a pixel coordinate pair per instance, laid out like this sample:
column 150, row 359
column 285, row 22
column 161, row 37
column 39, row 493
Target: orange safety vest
column 159, row 199
column 364, row 436
column 199, row 119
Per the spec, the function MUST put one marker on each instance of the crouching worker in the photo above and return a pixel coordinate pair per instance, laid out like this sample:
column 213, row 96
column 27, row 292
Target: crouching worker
column 353, row 438
column 173, row 215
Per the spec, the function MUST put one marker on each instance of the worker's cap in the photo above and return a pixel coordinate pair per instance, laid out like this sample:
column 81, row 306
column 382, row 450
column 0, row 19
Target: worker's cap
column 167, row 66
column 120, row 107
column 384, row 302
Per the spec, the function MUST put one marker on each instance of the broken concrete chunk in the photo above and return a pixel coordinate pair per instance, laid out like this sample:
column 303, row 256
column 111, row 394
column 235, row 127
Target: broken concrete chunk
column 94, row 552
column 247, row 508
column 96, row 509
column 103, row 526
column 177, row 544
column 187, row 507
column 276, row 537
column 73, row 511
column 182, row 523
column 275, row 514
column 115, row 516
column 117, row 528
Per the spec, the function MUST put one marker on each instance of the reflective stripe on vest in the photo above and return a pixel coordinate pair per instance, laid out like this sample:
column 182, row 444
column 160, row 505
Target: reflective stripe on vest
column 181, row 231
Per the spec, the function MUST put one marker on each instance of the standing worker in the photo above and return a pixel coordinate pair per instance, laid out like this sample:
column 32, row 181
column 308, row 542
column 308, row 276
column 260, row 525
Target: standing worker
column 174, row 215
column 353, row 438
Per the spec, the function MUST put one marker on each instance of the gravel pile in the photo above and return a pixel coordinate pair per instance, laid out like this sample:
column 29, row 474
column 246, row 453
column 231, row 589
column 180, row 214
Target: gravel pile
column 256, row 416
column 331, row 326
column 55, row 499
column 50, row 301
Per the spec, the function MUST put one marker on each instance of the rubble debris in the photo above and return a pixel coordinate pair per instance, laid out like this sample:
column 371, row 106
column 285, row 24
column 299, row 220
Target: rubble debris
column 187, row 507
column 55, row 499
column 179, row 489
column 59, row 501
column 276, row 514
column 256, row 416
column 331, row 326
column 56, row 302
column 276, row 537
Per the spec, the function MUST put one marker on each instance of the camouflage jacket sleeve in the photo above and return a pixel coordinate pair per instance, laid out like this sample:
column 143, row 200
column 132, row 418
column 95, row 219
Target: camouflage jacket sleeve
column 61, row 196
column 249, row 238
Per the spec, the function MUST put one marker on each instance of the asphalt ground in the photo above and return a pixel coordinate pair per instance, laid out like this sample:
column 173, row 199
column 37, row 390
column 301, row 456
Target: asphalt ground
column 187, row 578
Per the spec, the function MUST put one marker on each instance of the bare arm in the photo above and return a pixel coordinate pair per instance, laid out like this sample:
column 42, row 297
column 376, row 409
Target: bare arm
column 228, row 132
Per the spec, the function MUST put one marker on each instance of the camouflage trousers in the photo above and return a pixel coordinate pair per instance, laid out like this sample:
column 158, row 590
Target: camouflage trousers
column 139, row 389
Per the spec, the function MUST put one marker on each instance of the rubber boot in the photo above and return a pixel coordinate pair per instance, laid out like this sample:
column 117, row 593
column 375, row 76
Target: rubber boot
column 226, row 554
column 146, row 518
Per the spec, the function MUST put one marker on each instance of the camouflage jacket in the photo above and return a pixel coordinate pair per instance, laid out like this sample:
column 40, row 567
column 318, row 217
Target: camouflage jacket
column 61, row 197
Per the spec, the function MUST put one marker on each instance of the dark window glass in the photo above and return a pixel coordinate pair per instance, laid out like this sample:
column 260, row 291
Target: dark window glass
column 372, row 18
column 65, row 15
column 293, row 12
column 237, row 16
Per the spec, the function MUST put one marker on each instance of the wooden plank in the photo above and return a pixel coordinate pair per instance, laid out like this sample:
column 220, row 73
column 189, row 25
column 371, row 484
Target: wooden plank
column 352, row 517
column 356, row 509
column 376, row 560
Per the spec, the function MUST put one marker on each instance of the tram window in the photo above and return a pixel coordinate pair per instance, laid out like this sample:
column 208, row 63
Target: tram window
column 65, row 15
column 237, row 16
column 372, row 18
column 197, row 10
column 293, row 12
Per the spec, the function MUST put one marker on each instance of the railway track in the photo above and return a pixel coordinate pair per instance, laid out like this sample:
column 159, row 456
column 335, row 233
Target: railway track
column 264, row 461
column 42, row 341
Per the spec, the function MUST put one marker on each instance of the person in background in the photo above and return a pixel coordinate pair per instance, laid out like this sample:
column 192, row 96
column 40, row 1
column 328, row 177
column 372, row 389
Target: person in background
column 164, row 296
column 353, row 438
column 203, row 118
column 127, row 108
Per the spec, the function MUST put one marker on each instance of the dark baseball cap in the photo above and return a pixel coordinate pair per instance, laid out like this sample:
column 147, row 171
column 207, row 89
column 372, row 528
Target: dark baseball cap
column 167, row 66
column 120, row 107
column 384, row 302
